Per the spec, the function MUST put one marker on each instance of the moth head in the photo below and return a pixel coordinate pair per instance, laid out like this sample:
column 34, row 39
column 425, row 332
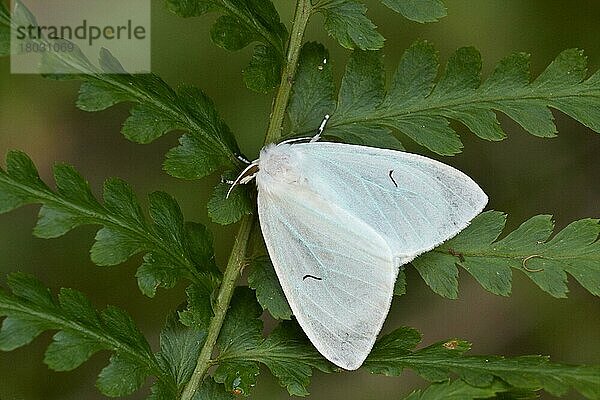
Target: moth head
column 278, row 164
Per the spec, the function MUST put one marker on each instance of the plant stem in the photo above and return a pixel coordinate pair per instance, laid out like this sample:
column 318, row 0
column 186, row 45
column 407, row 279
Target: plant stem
column 303, row 13
column 238, row 253
column 232, row 271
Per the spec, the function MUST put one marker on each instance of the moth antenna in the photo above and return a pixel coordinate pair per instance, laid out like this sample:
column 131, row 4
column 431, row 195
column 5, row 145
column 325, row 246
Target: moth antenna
column 321, row 129
column 240, row 177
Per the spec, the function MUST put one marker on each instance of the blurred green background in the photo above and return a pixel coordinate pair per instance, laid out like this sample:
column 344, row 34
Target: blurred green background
column 522, row 175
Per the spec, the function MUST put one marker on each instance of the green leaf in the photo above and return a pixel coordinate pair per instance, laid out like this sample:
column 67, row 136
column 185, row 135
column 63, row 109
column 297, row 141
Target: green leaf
column 213, row 148
column 16, row 332
column 263, row 280
column 199, row 309
column 421, row 109
column 199, row 242
column 75, row 60
column 575, row 251
column 207, row 145
column 120, row 200
column 161, row 390
column 111, row 380
column 158, row 109
column 225, row 211
column 313, row 97
column 157, row 271
column 400, row 285
column 313, row 90
column 191, row 159
column 123, row 326
column 68, row 351
column 241, row 330
column 20, row 16
column 53, row 222
column 242, row 23
column 395, row 352
column 362, row 85
column 238, row 376
column 78, row 307
column 179, row 350
column 29, row 288
column 191, row 8
column 367, row 135
column 263, row 73
column 96, row 97
column 146, row 124
column 460, row 390
column 286, row 352
column 21, row 170
column 228, row 33
column 210, row 390
column 361, row 90
column 114, row 247
column 418, row 10
column 290, row 357
column 174, row 250
column 346, row 21
column 31, row 309
column 441, row 276
column 258, row 18
column 167, row 215
column 4, row 30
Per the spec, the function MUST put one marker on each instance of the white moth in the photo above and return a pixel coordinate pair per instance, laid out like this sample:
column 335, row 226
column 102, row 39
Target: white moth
column 339, row 220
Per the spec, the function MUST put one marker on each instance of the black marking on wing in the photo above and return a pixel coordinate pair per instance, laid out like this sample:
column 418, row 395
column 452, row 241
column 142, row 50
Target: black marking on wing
column 392, row 178
column 312, row 276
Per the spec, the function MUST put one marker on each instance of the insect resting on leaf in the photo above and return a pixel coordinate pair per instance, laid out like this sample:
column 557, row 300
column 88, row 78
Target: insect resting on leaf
column 339, row 220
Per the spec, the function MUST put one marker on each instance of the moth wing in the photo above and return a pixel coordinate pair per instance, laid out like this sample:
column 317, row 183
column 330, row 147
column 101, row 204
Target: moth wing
column 336, row 272
column 413, row 202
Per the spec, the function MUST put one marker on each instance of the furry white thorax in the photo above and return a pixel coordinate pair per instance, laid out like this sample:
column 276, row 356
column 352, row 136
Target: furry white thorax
column 279, row 164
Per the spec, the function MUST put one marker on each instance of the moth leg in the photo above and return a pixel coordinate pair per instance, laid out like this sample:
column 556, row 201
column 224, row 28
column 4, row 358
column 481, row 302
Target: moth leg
column 243, row 159
column 243, row 178
column 227, row 181
column 248, row 178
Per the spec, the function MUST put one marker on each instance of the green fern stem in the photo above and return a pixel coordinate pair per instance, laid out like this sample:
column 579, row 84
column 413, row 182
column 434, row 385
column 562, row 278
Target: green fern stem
column 233, row 270
column 303, row 12
column 238, row 253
